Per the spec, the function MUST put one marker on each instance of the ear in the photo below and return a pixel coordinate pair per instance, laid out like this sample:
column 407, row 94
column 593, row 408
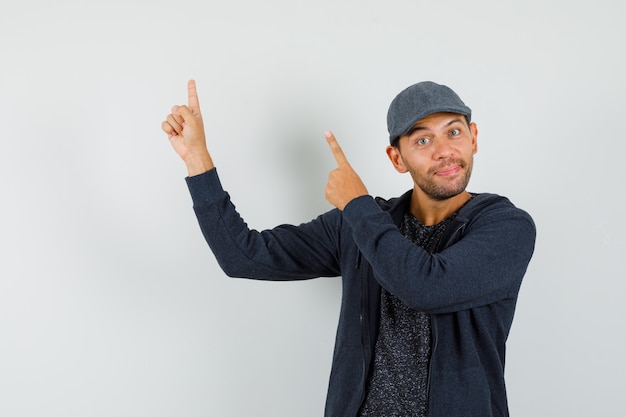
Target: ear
column 393, row 152
column 474, row 132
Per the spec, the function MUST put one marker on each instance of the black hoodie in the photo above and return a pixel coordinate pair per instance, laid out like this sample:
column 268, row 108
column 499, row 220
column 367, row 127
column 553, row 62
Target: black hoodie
column 469, row 286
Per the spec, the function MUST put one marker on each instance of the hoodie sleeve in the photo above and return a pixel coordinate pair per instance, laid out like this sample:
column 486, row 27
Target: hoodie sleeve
column 486, row 265
column 286, row 252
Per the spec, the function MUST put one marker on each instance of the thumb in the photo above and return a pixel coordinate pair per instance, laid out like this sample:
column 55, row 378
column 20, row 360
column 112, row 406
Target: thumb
column 184, row 112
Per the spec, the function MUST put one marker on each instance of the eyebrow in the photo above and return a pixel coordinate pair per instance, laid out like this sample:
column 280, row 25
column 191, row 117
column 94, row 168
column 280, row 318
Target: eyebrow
column 417, row 128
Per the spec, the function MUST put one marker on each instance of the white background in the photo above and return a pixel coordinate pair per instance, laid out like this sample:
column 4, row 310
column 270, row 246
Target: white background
column 111, row 304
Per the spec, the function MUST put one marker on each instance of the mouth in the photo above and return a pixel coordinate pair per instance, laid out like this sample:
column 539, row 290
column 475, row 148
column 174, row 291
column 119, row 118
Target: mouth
column 449, row 169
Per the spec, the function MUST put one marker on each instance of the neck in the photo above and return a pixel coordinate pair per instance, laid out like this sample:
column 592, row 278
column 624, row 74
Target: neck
column 431, row 212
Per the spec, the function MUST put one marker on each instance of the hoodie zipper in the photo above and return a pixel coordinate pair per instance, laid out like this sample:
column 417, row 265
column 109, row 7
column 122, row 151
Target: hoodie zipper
column 364, row 330
column 433, row 321
column 433, row 331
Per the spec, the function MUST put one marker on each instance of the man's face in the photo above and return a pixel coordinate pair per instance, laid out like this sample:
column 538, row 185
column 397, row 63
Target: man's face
column 438, row 152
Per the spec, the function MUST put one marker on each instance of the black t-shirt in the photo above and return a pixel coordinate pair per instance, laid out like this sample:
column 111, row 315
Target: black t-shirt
column 398, row 382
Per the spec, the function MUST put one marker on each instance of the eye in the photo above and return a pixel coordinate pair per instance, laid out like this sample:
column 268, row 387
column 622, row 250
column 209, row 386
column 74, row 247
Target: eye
column 455, row 132
column 423, row 141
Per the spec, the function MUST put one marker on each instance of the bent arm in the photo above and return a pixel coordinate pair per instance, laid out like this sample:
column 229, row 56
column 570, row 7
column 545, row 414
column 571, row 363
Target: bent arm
column 284, row 253
column 485, row 266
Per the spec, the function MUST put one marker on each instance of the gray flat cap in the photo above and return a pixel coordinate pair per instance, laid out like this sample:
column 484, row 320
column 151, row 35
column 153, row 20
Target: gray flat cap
column 418, row 101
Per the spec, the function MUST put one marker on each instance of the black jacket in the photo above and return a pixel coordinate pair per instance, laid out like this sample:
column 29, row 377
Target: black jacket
column 469, row 286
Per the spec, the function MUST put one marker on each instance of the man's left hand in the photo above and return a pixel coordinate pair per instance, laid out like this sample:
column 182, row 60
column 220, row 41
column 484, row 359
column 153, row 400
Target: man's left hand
column 344, row 184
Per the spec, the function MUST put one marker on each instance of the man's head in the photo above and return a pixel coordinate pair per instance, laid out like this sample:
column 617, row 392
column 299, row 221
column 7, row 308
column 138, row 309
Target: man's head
column 433, row 139
column 418, row 101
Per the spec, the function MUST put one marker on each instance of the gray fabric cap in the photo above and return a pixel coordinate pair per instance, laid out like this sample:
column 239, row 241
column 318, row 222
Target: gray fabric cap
column 418, row 101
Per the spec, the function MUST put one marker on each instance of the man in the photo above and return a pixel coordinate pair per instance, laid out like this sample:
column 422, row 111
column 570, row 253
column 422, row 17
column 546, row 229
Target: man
column 430, row 279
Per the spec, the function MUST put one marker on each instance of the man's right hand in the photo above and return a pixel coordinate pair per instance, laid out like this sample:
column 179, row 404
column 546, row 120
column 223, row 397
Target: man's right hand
column 185, row 130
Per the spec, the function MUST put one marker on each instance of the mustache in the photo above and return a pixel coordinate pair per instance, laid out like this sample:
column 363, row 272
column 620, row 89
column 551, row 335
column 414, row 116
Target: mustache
column 447, row 163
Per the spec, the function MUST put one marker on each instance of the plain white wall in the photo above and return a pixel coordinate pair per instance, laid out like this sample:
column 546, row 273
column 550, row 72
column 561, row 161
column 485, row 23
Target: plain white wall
column 112, row 304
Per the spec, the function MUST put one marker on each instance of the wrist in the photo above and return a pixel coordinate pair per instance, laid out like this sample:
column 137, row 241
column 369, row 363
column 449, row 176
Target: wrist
column 198, row 164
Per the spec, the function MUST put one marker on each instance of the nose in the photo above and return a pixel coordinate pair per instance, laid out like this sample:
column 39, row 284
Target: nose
column 442, row 150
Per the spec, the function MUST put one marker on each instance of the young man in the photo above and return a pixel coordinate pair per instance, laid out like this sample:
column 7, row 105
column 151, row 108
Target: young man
column 430, row 279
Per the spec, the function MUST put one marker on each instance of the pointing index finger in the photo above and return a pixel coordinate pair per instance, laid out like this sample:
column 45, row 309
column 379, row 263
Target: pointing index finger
column 192, row 95
column 340, row 157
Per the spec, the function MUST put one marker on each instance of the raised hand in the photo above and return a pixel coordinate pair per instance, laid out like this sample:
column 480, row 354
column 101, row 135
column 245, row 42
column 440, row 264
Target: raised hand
column 185, row 130
column 344, row 184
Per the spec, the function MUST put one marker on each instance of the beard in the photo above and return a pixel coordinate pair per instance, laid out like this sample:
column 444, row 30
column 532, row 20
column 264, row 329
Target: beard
column 440, row 189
